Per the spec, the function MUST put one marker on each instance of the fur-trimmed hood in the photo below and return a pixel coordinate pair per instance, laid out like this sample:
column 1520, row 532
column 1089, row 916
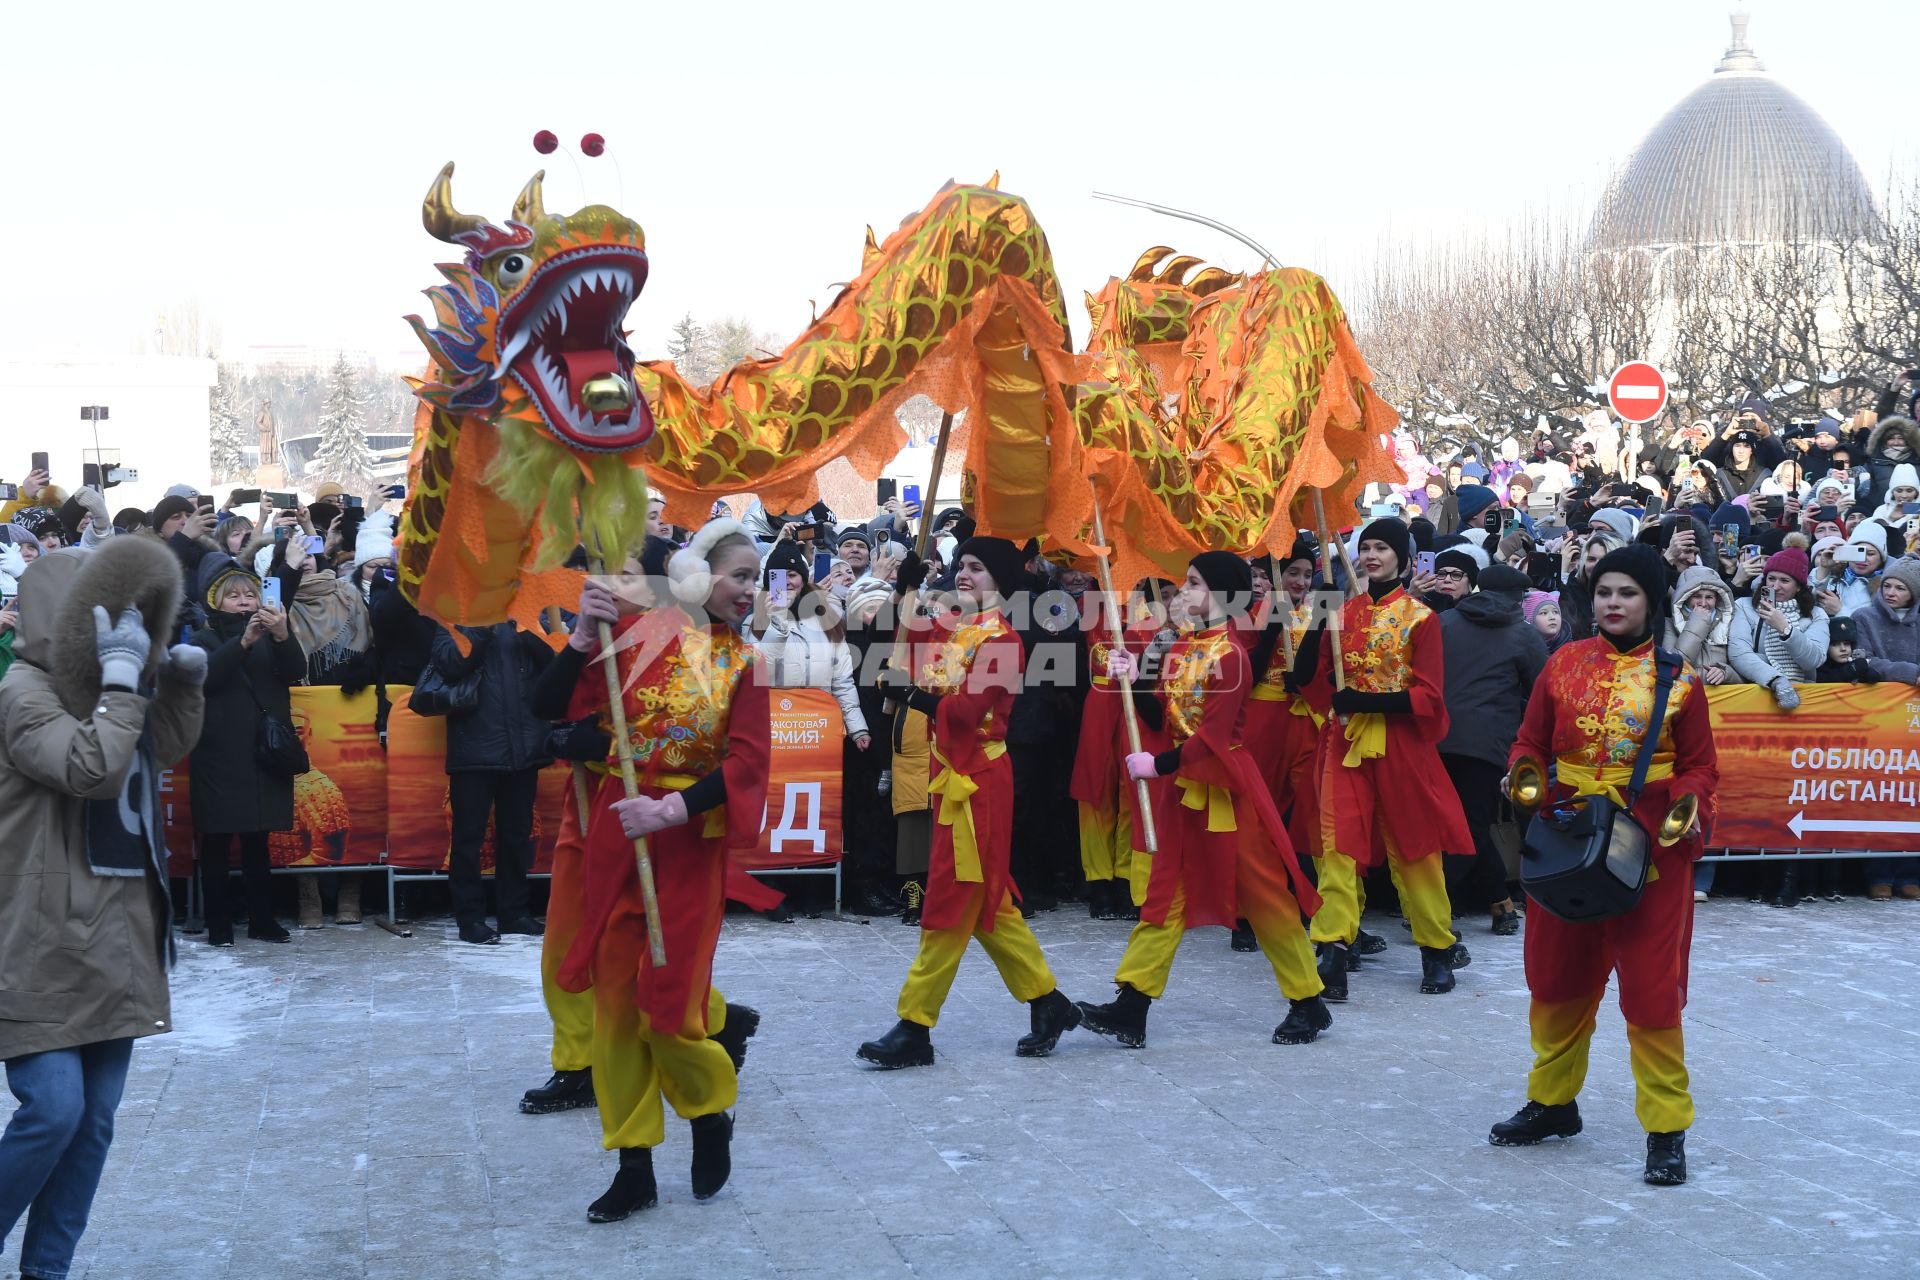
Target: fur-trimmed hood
column 1898, row 423
column 57, row 595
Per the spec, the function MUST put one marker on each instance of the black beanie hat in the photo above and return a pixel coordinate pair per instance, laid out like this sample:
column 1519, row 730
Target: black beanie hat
column 1004, row 561
column 1390, row 531
column 1457, row 558
column 167, row 508
column 1224, row 573
column 1646, row 567
column 654, row 554
column 1303, row 549
column 127, row 519
column 1504, row 577
column 789, row 556
column 1423, row 531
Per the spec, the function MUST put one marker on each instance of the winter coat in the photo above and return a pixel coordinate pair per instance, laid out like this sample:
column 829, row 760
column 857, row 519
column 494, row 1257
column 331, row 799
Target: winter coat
column 230, row 791
column 1493, row 656
column 1878, row 468
column 799, row 654
column 83, row 957
column 402, row 639
column 501, row 734
column 1701, row 638
column 1806, row 643
column 1891, row 645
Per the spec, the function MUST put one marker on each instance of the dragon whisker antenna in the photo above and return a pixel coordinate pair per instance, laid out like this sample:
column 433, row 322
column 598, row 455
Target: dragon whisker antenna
column 1190, row 216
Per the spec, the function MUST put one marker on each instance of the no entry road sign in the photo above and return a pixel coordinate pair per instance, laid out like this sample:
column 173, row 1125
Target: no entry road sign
column 1637, row 391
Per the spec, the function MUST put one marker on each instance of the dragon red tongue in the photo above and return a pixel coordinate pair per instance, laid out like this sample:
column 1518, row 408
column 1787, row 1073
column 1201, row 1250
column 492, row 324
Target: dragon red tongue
column 584, row 366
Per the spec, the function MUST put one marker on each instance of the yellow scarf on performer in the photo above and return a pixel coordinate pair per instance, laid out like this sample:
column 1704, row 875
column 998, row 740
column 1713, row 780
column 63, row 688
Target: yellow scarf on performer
column 714, row 822
column 1217, row 801
column 1608, row 780
column 956, row 790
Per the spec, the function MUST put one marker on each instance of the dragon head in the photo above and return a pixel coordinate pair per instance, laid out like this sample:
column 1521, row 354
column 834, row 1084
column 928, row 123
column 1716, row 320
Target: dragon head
column 530, row 324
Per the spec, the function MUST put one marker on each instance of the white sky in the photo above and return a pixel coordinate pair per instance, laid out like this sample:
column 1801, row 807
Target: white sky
column 268, row 164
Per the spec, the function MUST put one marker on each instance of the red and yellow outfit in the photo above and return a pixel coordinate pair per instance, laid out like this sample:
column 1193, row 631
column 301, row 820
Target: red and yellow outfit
column 1282, row 734
column 1589, row 715
column 975, row 669
column 697, row 709
column 1382, row 786
column 1224, row 853
column 570, row 1011
column 1105, row 800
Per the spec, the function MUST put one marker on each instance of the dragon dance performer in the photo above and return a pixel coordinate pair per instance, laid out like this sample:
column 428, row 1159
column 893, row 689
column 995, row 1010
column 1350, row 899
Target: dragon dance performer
column 1381, row 781
column 966, row 691
column 1589, row 715
column 697, row 714
column 1224, row 852
column 1282, row 730
column 1114, row 885
column 588, row 743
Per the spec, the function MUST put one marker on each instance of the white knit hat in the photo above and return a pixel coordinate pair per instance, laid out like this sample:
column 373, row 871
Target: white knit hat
column 1871, row 533
column 1904, row 474
column 374, row 541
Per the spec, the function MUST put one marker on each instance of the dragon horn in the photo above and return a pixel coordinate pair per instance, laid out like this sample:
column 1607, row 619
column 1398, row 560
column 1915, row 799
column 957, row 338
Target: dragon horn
column 437, row 214
column 530, row 205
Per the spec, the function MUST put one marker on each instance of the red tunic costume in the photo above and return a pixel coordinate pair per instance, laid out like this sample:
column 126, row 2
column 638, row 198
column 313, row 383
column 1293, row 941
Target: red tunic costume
column 1282, row 734
column 1587, row 718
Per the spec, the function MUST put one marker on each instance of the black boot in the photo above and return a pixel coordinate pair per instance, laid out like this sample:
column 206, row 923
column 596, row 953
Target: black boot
column 1457, row 955
column 1436, row 971
column 872, row 900
column 1666, row 1158
column 911, row 893
column 742, row 1022
column 908, row 1045
column 1052, row 1014
column 1099, row 903
column 712, row 1154
column 1506, row 921
column 1243, row 939
column 1788, row 896
column 480, row 933
column 633, row 1187
column 563, row 1091
column 1124, row 1017
column 1333, row 963
column 1368, row 944
column 1305, row 1020
column 1536, row 1122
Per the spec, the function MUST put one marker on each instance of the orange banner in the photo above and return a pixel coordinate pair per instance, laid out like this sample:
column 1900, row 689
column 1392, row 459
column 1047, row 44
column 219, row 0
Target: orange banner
column 360, row 806
column 801, row 827
column 1840, row 771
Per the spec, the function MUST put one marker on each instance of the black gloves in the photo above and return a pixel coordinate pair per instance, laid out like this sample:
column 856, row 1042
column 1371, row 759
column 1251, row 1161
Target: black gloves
column 1863, row 672
column 1352, row 702
column 912, row 572
column 896, row 686
column 1306, row 659
column 582, row 740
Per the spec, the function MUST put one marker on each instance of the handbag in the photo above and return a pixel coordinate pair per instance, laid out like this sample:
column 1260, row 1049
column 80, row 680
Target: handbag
column 1586, row 858
column 276, row 746
column 433, row 695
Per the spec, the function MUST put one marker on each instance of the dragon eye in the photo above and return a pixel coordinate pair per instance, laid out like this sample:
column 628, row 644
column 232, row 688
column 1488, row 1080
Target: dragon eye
column 513, row 269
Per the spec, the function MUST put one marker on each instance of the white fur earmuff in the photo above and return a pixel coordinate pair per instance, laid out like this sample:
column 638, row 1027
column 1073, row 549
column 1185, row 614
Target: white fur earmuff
column 688, row 572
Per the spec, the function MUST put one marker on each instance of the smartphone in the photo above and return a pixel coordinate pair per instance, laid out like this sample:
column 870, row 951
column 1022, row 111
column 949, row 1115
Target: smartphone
column 1655, row 504
column 1751, row 550
column 283, row 501
column 1776, row 508
column 203, row 501
column 805, row 533
column 270, row 591
column 881, row 537
column 350, row 503
column 315, row 545
column 1380, row 510
column 396, row 492
column 1910, row 508
column 186, row 632
column 822, row 565
column 244, row 495
column 40, row 463
column 1509, row 521
column 911, row 493
column 779, row 592
column 1422, row 562
column 885, row 489
column 9, row 492
column 1826, row 513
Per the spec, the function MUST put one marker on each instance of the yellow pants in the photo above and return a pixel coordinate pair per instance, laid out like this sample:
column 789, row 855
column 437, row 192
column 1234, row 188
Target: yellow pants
column 1010, row 945
column 634, row 1067
column 1148, row 959
column 1106, row 848
column 1562, row 1035
column 1422, row 884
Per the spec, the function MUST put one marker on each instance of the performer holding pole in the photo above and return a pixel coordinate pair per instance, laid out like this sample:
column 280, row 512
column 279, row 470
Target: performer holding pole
column 691, row 701
column 966, row 691
column 1381, row 782
column 1226, row 854
column 1590, row 715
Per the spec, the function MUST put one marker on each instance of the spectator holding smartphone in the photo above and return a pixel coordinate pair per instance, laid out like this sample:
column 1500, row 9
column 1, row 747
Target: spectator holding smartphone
column 1778, row 638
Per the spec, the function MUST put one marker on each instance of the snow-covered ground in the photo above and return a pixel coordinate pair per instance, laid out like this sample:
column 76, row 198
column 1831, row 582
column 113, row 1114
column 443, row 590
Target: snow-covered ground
column 345, row 1107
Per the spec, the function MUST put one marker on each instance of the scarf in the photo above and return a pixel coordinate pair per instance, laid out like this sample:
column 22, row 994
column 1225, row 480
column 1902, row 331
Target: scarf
column 123, row 836
column 1773, row 644
column 329, row 620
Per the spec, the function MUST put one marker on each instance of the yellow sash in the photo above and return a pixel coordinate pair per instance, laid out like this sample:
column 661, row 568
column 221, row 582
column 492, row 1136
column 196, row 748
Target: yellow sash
column 1301, row 707
column 1608, row 780
column 1367, row 734
column 1217, row 801
column 716, row 817
column 955, row 790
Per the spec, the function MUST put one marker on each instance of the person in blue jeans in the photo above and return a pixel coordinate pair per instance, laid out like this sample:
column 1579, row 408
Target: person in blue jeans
column 94, row 706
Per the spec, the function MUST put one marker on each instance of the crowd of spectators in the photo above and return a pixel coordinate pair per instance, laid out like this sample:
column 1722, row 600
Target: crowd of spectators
column 1788, row 550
